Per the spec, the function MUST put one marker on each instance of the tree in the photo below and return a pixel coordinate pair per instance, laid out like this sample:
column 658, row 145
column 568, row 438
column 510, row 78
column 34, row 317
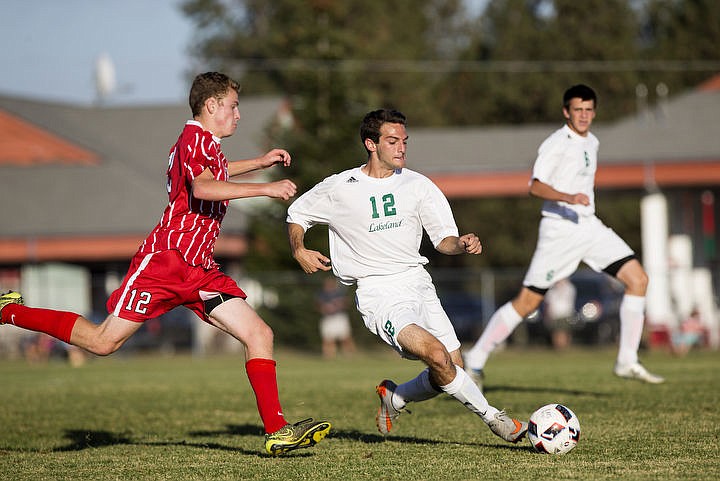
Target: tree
column 533, row 50
column 681, row 34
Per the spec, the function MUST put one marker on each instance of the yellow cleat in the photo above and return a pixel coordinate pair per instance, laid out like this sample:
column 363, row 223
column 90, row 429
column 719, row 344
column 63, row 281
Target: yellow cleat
column 302, row 434
column 9, row 298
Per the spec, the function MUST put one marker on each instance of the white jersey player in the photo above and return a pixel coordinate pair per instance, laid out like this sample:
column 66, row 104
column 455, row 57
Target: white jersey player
column 569, row 232
column 375, row 215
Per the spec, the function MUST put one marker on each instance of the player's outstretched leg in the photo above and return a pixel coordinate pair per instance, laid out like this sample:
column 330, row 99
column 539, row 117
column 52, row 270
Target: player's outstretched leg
column 509, row 429
column 302, row 434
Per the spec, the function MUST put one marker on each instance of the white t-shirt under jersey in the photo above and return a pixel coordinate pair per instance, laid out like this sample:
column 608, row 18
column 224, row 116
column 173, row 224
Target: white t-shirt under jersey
column 375, row 225
column 567, row 162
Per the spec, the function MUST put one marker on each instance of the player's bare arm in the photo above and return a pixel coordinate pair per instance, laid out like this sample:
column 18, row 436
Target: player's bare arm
column 547, row 192
column 206, row 187
column 311, row 261
column 466, row 244
column 271, row 158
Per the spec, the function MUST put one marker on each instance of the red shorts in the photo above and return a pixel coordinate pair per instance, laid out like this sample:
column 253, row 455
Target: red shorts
column 156, row 283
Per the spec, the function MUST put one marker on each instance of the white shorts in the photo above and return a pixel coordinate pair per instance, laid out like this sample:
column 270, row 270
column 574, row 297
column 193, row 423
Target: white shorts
column 563, row 244
column 335, row 327
column 390, row 303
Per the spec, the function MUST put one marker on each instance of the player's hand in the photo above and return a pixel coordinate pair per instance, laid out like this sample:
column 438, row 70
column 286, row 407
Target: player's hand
column 470, row 243
column 274, row 157
column 281, row 189
column 580, row 199
column 312, row 261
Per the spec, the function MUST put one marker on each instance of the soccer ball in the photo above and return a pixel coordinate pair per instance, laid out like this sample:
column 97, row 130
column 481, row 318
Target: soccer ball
column 554, row 429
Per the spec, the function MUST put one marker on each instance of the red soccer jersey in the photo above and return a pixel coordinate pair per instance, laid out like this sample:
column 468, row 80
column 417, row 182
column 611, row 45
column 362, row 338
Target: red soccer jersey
column 190, row 225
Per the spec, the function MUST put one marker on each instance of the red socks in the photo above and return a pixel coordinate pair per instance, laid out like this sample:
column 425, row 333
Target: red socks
column 263, row 380
column 58, row 324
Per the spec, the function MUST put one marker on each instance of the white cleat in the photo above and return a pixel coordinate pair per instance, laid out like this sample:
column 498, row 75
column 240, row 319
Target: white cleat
column 637, row 371
column 386, row 413
column 509, row 429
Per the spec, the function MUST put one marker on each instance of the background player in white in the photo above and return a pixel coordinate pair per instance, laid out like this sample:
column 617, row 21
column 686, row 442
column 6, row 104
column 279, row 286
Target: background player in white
column 375, row 215
column 564, row 176
column 175, row 264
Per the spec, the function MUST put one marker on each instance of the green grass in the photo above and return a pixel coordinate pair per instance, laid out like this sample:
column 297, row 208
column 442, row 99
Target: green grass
column 179, row 418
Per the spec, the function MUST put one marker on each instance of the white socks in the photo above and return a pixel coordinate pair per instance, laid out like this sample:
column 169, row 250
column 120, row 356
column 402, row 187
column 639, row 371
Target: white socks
column 466, row 391
column 418, row 389
column 461, row 388
column 632, row 317
column 499, row 328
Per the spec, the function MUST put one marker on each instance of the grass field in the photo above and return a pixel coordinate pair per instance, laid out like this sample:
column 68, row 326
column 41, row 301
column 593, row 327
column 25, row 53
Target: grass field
column 180, row 418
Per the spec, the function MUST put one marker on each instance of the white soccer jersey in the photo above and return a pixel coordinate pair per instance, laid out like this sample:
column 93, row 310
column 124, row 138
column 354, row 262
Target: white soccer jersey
column 375, row 225
column 567, row 162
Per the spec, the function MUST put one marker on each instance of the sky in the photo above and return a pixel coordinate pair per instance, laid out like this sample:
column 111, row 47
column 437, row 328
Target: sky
column 50, row 49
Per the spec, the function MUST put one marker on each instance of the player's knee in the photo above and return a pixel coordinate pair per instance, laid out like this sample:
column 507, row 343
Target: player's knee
column 439, row 359
column 638, row 284
column 104, row 347
column 261, row 336
column 526, row 302
column 267, row 333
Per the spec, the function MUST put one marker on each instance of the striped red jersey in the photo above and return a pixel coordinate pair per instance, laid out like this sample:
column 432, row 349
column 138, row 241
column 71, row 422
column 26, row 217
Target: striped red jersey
column 190, row 225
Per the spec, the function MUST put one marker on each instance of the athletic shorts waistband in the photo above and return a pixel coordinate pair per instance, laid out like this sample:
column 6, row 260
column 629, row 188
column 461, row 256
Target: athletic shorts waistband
column 386, row 279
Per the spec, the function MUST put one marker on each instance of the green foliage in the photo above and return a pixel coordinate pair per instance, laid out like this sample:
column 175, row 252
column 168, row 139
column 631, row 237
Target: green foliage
column 540, row 51
column 337, row 58
column 173, row 418
column 322, row 53
column 507, row 228
column 681, row 31
column 621, row 211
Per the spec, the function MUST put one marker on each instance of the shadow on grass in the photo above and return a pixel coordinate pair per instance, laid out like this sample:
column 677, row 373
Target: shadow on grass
column 347, row 434
column 80, row 440
column 543, row 389
column 362, row 437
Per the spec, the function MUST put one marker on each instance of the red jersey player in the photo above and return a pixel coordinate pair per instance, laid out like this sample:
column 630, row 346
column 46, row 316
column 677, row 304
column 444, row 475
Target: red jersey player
column 174, row 266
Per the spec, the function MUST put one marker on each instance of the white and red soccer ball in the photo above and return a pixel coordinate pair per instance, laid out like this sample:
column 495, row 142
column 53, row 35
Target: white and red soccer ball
column 554, row 429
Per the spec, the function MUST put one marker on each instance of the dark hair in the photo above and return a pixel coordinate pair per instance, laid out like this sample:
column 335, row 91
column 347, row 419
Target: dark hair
column 208, row 85
column 580, row 91
column 370, row 127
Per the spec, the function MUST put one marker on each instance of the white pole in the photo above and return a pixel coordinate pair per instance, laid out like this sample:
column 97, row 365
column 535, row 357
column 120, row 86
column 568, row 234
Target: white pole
column 681, row 282
column 654, row 220
column 705, row 303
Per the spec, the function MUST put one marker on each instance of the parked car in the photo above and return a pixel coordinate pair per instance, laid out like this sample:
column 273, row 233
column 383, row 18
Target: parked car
column 597, row 310
column 465, row 311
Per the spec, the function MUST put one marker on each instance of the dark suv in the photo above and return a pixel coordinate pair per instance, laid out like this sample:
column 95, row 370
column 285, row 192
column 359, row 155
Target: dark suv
column 597, row 309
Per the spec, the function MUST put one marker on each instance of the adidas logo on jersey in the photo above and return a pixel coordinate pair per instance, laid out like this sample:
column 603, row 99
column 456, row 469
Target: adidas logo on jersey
column 351, row 180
